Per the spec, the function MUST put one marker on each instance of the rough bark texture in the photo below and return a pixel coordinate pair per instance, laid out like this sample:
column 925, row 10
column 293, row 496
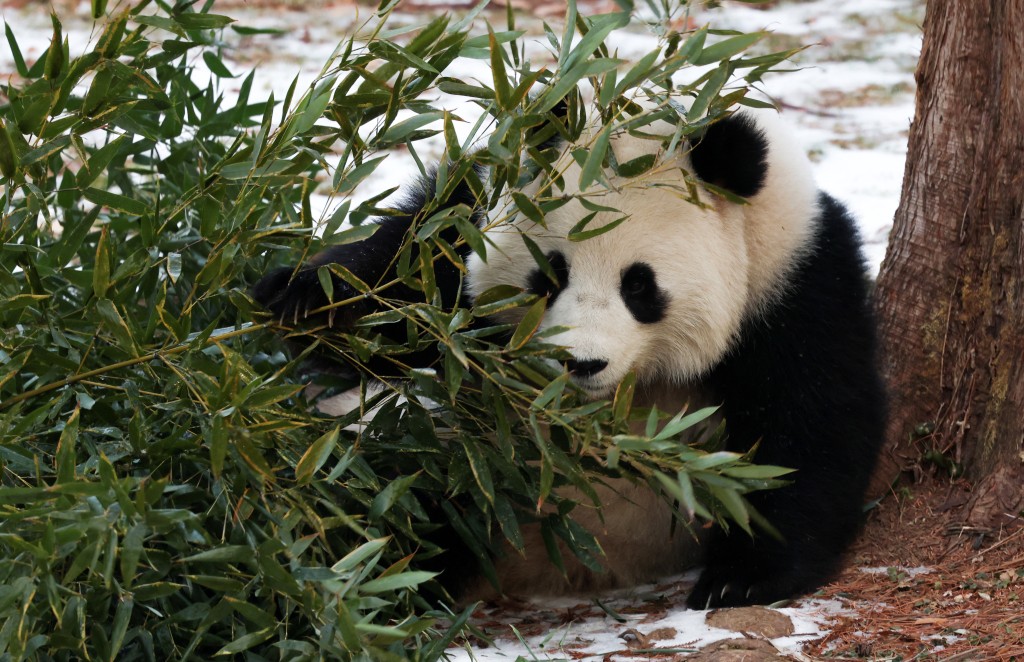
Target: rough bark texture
column 950, row 294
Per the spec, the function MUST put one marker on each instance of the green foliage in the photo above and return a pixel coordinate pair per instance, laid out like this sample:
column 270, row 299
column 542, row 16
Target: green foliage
column 166, row 490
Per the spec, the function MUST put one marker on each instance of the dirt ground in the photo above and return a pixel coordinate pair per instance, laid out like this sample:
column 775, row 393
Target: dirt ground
column 920, row 586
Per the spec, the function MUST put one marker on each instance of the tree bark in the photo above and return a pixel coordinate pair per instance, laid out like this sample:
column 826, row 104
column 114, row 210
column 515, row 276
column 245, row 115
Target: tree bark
column 950, row 294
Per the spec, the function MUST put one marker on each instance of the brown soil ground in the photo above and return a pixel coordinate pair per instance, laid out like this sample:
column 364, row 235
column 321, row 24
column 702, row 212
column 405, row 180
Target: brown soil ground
column 947, row 592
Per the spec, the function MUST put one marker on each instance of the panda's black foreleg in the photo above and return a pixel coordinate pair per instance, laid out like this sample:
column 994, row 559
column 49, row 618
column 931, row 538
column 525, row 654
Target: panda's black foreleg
column 802, row 384
column 296, row 296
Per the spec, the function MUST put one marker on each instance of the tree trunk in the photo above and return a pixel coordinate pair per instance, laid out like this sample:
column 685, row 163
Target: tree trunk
column 950, row 294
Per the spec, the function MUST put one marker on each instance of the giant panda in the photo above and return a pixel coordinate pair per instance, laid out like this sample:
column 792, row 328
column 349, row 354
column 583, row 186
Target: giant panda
column 754, row 297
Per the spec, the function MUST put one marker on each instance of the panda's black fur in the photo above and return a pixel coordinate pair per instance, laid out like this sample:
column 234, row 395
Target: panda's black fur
column 798, row 379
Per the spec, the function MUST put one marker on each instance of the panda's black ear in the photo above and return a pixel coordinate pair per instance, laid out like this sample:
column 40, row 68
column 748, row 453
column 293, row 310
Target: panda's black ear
column 732, row 154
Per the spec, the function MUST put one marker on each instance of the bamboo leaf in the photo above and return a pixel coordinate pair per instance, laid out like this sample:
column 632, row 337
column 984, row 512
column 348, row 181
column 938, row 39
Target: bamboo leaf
column 216, row 65
column 65, row 458
column 315, row 456
column 131, row 552
column 727, row 48
column 579, row 232
column 401, row 131
column 246, row 641
column 101, row 268
column 19, row 59
column 481, row 473
column 198, row 21
column 502, row 90
column 712, row 460
column 734, row 505
column 390, row 495
column 708, row 92
column 114, row 322
column 600, row 28
column 360, row 555
column 45, row 150
column 122, row 619
column 115, row 201
column 756, row 471
column 528, row 325
column 223, row 554
column 623, row 401
column 683, row 421
column 397, row 582
column 460, row 89
column 8, row 156
column 529, row 208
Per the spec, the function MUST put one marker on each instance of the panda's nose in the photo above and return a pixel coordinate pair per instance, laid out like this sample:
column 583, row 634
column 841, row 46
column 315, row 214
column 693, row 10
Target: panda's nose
column 585, row 368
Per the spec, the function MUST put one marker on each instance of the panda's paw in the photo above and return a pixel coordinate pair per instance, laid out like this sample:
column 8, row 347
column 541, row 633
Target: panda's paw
column 717, row 589
column 296, row 296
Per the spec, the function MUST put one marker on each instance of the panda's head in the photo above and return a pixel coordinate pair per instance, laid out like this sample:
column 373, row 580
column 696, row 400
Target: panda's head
column 664, row 292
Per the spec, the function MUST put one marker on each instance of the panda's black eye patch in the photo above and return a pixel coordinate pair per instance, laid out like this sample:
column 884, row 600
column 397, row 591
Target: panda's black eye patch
column 644, row 299
column 541, row 285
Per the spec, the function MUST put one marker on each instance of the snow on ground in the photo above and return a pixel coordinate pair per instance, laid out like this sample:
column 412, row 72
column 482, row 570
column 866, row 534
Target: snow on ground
column 852, row 99
column 633, row 625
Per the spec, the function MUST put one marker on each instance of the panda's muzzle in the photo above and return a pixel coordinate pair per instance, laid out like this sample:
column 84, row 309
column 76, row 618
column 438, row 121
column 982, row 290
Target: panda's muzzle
column 586, row 367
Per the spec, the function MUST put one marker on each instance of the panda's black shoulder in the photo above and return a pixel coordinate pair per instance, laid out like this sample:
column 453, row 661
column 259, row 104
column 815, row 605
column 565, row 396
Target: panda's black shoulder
column 833, row 263
column 814, row 342
column 826, row 286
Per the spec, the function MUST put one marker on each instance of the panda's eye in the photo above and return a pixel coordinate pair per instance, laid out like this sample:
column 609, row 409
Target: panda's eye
column 641, row 294
column 541, row 284
column 636, row 280
column 635, row 286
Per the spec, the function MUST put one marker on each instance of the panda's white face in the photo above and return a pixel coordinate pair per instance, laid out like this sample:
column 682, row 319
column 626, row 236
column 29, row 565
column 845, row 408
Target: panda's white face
column 661, row 294
column 665, row 292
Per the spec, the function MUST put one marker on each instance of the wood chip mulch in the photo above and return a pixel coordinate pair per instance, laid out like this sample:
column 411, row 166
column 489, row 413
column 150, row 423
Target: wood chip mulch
column 920, row 586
